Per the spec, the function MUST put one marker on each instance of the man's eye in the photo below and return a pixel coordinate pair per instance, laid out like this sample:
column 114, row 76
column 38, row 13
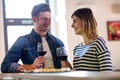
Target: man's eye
column 43, row 18
column 46, row 19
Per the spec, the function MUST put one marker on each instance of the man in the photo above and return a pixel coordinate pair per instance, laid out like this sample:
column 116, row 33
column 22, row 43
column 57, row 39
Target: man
column 25, row 47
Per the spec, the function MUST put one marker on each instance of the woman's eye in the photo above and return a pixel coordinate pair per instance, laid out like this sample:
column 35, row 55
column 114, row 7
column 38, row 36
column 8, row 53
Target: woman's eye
column 74, row 21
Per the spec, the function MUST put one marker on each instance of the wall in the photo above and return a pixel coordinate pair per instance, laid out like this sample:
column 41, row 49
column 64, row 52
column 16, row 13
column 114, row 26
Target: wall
column 2, row 49
column 103, row 13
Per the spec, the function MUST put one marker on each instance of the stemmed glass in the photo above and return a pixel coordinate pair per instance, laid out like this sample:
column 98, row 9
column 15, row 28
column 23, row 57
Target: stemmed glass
column 61, row 53
column 40, row 49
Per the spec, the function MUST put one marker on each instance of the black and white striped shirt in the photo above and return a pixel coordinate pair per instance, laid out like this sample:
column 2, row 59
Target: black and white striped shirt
column 94, row 56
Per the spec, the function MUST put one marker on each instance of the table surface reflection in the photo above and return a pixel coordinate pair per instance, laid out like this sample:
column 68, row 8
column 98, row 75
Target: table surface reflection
column 73, row 75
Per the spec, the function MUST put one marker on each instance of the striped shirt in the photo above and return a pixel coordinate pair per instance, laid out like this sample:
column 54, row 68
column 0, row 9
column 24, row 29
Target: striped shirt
column 94, row 56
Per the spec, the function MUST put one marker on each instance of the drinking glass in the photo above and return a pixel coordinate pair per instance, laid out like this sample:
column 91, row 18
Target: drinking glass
column 40, row 49
column 61, row 53
column 41, row 52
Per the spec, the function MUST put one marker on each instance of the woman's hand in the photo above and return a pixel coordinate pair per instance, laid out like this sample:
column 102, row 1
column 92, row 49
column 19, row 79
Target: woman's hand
column 66, row 64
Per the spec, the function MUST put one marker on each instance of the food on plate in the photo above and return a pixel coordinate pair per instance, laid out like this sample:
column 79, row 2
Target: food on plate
column 46, row 70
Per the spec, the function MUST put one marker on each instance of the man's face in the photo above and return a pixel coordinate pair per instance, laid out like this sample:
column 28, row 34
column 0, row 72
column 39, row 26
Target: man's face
column 42, row 22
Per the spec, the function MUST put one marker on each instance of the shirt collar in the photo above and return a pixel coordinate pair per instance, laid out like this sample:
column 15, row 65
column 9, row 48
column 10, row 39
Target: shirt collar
column 35, row 35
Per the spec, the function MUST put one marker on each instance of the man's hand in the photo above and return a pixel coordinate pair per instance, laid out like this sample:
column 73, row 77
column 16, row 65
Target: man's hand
column 38, row 63
column 25, row 67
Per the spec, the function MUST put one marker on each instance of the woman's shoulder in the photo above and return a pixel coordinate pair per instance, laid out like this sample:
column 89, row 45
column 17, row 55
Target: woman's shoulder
column 99, row 39
column 100, row 42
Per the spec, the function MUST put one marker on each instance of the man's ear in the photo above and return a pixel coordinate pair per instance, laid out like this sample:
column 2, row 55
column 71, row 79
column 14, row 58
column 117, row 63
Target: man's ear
column 34, row 19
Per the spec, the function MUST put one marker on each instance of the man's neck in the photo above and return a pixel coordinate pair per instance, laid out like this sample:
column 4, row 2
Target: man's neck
column 42, row 34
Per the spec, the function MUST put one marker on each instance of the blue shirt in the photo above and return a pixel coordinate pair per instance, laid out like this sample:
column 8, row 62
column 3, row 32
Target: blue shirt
column 25, row 48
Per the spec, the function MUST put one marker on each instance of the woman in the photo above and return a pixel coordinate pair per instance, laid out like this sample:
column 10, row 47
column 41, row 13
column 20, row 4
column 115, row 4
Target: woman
column 93, row 55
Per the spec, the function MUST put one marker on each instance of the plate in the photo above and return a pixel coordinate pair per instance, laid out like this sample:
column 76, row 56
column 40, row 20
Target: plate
column 26, row 71
column 45, row 70
column 51, row 70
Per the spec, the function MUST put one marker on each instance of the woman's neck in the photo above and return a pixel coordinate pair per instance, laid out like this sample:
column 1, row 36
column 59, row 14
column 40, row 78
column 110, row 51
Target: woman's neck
column 87, row 40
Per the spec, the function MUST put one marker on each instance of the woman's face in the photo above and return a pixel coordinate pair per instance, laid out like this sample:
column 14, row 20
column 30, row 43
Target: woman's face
column 77, row 25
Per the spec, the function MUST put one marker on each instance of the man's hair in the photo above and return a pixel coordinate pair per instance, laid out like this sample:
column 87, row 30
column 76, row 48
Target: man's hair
column 40, row 8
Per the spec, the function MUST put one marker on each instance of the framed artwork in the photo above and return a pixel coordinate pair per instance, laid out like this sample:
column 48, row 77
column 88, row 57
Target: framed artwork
column 113, row 30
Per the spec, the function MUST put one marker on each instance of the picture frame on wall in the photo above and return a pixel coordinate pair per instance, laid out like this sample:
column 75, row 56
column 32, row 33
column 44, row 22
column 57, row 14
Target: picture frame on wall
column 113, row 28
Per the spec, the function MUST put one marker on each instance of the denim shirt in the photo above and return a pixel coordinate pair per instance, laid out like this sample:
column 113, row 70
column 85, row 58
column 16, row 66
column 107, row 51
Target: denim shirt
column 25, row 48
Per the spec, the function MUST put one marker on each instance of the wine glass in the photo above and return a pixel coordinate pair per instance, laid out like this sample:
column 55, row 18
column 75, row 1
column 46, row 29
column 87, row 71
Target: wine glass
column 61, row 53
column 40, row 49
column 41, row 52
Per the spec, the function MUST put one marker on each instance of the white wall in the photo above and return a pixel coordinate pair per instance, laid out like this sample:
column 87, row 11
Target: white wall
column 2, row 49
column 103, row 13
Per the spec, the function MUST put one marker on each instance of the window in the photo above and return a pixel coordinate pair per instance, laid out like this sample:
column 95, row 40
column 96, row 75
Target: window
column 17, row 19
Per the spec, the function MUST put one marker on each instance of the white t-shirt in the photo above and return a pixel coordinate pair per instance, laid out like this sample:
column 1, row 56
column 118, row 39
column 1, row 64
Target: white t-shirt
column 48, row 55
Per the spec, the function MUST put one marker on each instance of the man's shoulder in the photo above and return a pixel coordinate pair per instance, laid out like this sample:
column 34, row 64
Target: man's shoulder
column 23, row 37
column 54, row 37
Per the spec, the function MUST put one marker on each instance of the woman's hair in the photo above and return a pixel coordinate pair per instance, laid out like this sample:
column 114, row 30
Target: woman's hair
column 40, row 8
column 88, row 20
